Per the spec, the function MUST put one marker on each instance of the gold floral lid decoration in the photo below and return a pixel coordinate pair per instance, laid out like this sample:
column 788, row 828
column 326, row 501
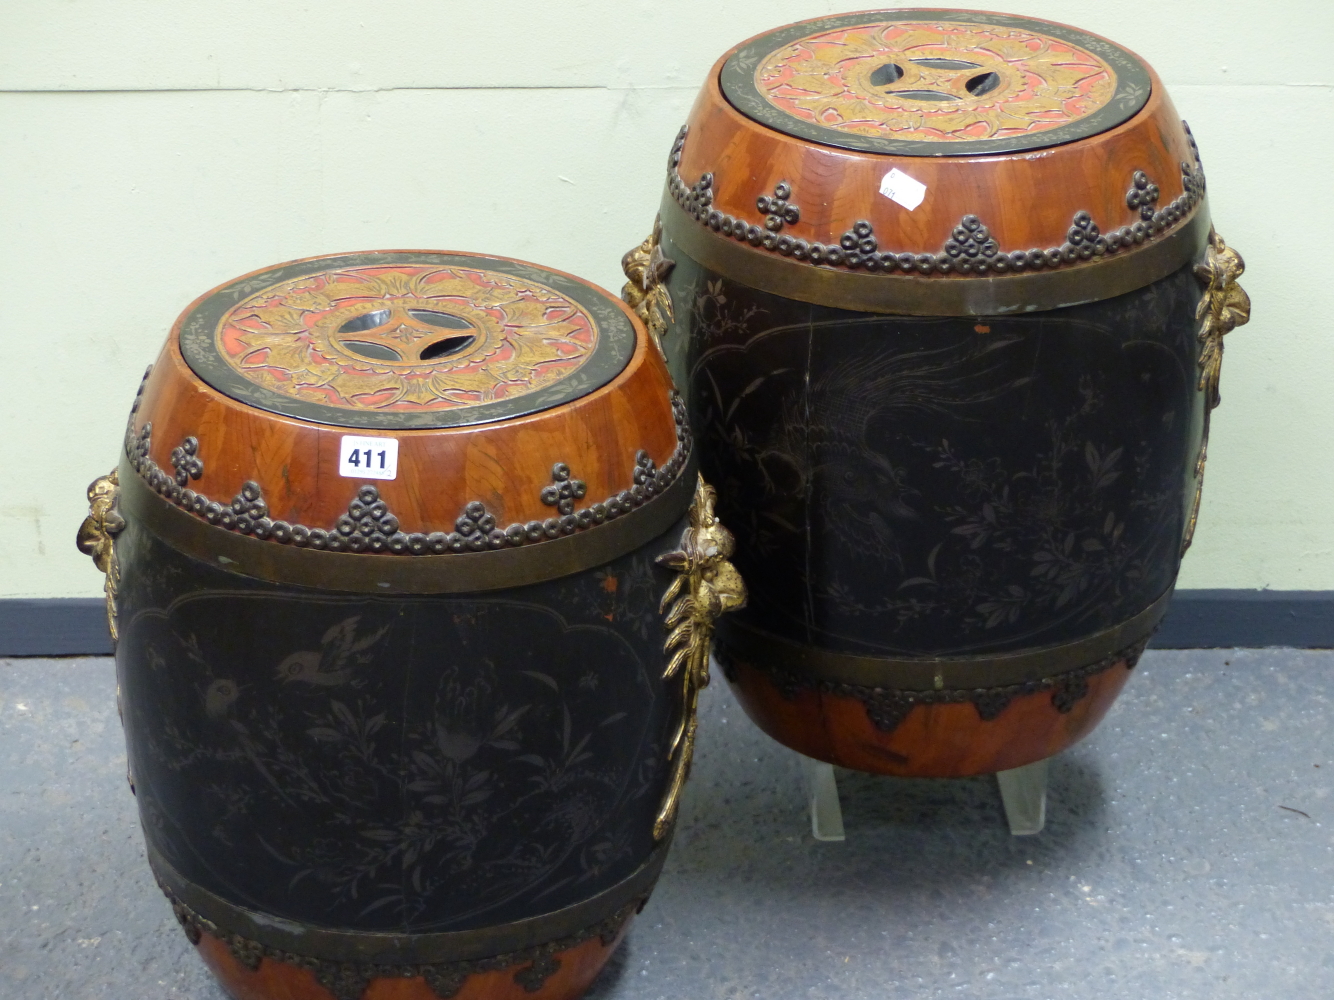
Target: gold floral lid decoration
column 933, row 82
column 405, row 340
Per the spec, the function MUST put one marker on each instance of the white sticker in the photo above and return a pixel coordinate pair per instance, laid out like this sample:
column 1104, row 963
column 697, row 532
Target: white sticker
column 368, row 457
column 907, row 191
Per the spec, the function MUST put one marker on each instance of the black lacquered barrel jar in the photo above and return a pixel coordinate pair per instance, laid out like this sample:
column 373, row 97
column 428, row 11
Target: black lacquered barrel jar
column 943, row 292
column 413, row 578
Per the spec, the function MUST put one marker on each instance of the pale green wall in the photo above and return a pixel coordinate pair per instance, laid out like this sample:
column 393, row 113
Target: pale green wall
column 150, row 150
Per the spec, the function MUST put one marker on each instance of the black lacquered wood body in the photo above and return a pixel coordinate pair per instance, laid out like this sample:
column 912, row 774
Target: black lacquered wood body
column 910, row 486
column 403, row 764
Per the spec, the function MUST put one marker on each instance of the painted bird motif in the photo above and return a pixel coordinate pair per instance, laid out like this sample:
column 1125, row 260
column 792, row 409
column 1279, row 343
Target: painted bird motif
column 220, row 696
column 330, row 664
column 823, row 447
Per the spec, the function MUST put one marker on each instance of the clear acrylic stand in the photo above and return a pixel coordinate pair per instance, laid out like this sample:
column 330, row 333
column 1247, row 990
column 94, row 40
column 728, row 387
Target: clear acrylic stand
column 1023, row 791
column 822, row 797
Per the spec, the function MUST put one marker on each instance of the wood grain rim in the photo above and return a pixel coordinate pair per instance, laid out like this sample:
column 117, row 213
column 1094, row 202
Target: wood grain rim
column 906, row 295
column 377, row 573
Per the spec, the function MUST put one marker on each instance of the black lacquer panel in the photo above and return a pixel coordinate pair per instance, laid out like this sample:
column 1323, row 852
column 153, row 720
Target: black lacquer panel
column 405, row 764
column 910, row 486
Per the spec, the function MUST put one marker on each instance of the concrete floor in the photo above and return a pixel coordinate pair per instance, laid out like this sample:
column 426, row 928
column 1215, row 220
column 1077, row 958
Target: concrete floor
column 1186, row 856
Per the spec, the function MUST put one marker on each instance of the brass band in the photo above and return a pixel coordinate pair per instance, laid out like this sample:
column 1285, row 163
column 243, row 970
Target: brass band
column 935, row 673
column 453, row 573
column 907, row 295
column 407, row 948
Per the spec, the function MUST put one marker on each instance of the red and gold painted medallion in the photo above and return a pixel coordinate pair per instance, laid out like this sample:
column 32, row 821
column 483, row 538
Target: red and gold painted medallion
column 406, row 338
column 935, row 81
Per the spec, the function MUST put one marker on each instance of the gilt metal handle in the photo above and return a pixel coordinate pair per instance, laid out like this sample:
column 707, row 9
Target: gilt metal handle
column 645, row 292
column 1223, row 307
column 97, row 537
column 706, row 586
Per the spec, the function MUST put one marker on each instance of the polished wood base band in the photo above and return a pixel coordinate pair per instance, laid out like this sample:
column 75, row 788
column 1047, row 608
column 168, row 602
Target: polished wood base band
column 265, row 957
column 562, row 975
column 943, row 739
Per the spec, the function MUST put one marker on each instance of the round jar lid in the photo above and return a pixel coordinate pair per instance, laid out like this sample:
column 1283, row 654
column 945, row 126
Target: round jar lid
column 935, row 82
column 406, row 339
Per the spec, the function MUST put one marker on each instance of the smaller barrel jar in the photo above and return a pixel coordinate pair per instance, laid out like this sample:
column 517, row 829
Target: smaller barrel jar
column 413, row 579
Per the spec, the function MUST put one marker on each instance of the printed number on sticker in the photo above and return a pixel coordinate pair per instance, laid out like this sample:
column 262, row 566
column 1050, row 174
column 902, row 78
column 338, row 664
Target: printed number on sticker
column 900, row 187
column 368, row 457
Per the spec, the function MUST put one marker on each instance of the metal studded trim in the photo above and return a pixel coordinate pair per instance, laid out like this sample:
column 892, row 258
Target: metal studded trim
column 888, row 707
column 369, row 525
column 186, row 461
column 351, row 980
column 970, row 250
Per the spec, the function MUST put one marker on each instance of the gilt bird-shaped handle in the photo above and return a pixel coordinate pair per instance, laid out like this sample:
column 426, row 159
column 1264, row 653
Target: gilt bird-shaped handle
column 706, row 586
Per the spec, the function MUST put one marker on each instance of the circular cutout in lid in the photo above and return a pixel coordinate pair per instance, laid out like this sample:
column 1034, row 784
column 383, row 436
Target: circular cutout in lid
column 406, row 339
column 935, row 83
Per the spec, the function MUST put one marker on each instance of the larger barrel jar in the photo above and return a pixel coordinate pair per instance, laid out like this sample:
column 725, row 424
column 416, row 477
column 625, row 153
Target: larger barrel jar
column 944, row 294
column 413, row 579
